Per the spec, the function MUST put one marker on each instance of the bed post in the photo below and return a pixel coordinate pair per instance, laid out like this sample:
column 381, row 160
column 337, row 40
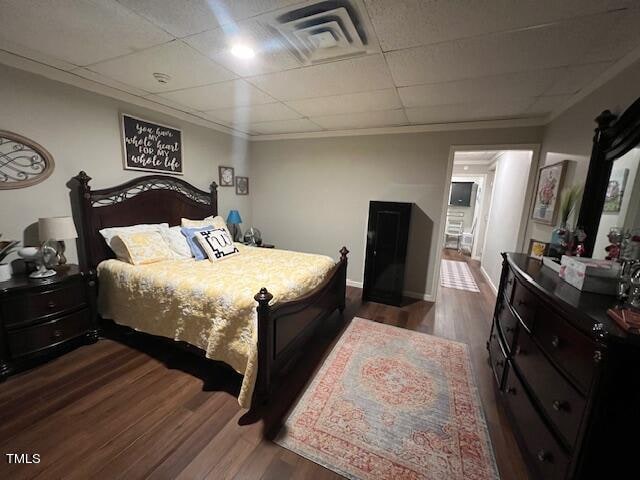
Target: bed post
column 265, row 342
column 213, row 189
column 343, row 284
column 81, row 204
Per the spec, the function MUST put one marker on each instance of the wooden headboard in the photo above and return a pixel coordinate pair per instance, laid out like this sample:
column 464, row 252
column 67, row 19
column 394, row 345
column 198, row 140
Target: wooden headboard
column 149, row 199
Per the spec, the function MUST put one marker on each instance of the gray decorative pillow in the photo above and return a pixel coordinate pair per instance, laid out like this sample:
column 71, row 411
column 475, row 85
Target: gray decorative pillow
column 216, row 243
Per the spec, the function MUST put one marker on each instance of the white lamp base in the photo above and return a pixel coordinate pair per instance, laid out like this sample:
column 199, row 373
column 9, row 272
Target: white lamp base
column 43, row 272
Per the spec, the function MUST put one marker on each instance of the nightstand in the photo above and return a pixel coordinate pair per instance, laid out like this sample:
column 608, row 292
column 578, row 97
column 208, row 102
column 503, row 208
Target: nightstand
column 41, row 319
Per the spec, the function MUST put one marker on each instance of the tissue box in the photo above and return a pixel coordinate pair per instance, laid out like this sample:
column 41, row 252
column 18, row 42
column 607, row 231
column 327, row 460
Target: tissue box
column 590, row 275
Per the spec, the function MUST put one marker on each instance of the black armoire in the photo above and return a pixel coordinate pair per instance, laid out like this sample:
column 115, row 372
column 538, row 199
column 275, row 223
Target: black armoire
column 387, row 237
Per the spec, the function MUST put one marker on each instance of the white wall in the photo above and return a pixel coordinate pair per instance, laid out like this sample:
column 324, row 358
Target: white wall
column 81, row 130
column 313, row 194
column 505, row 215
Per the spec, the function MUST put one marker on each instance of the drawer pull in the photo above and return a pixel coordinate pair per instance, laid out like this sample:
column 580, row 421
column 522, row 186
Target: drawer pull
column 555, row 341
column 511, row 390
column 522, row 303
column 560, row 406
column 500, row 363
column 56, row 334
column 544, row 456
column 597, row 356
column 51, row 304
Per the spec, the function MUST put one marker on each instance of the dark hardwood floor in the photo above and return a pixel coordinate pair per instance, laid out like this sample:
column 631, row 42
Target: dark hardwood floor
column 125, row 409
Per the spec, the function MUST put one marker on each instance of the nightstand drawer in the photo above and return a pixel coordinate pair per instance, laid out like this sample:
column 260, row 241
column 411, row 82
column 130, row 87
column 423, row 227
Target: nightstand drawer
column 24, row 308
column 31, row 339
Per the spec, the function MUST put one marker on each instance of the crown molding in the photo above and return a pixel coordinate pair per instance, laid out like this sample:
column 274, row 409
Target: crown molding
column 434, row 127
column 68, row 77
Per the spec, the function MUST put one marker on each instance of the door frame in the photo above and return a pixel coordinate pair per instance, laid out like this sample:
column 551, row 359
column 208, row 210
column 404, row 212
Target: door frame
column 528, row 201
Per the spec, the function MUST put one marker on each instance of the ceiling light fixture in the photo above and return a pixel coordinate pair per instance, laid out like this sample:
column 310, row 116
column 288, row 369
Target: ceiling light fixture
column 242, row 51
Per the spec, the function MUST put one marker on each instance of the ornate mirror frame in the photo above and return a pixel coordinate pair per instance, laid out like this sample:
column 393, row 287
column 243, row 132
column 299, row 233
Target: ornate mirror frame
column 614, row 137
column 23, row 162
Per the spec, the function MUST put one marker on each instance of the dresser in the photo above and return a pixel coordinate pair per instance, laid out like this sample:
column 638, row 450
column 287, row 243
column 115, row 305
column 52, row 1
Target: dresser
column 567, row 376
column 42, row 318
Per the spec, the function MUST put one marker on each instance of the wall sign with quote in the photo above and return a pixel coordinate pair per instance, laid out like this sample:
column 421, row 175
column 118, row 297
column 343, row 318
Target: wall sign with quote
column 151, row 147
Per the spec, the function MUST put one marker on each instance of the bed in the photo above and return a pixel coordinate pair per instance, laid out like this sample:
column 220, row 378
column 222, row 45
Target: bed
column 255, row 311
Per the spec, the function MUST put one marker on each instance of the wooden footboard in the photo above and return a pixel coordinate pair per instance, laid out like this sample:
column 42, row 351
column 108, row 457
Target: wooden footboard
column 284, row 329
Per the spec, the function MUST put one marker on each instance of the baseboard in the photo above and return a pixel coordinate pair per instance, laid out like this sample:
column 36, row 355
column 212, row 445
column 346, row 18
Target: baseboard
column 406, row 293
column 486, row 276
column 427, row 297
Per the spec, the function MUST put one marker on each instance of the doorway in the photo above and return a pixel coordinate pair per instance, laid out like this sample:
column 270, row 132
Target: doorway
column 486, row 212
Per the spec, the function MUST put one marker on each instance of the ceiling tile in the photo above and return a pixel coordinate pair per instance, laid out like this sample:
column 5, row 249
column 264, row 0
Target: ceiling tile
column 200, row 15
column 574, row 79
column 99, row 78
column 285, row 126
column 80, row 32
column 335, row 78
column 554, row 45
column 619, row 35
column 385, row 118
column 236, row 93
column 254, row 114
column 528, row 84
column 350, row 103
column 186, row 67
column 168, row 103
column 408, row 23
column 548, row 104
column 26, row 52
column 271, row 54
column 510, row 107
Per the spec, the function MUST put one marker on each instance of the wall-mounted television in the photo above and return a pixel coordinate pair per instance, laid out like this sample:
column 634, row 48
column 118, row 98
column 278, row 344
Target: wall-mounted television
column 460, row 194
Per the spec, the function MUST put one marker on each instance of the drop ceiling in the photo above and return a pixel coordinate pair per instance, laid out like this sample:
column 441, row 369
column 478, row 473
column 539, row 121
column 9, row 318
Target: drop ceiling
column 423, row 62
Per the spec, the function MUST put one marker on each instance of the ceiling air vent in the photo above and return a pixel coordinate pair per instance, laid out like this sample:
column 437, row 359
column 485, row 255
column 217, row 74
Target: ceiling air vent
column 323, row 31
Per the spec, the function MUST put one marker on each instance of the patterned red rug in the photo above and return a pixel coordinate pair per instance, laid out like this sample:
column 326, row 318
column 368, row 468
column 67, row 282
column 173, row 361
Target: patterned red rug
column 390, row 403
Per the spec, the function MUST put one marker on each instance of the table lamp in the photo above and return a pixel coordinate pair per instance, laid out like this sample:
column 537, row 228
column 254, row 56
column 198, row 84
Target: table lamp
column 233, row 219
column 58, row 229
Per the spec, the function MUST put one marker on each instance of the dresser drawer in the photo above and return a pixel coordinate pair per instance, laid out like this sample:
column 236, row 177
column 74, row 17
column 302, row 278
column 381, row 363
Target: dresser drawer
column 24, row 308
column 27, row 340
column 561, row 402
column 508, row 324
column 573, row 351
column 548, row 457
column 524, row 303
column 509, row 283
column 497, row 357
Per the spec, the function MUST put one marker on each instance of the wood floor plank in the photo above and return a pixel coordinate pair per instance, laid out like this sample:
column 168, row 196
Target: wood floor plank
column 137, row 409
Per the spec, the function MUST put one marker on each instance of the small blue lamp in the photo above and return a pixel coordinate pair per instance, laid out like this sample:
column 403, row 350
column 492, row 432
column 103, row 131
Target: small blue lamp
column 233, row 219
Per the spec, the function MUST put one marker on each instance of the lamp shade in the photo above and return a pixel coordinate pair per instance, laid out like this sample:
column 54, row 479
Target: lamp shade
column 56, row 228
column 234, row 217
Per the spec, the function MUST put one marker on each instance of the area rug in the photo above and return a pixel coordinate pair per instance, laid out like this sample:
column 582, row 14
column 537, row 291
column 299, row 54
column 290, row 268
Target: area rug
column 390, row 403
column 457, row 275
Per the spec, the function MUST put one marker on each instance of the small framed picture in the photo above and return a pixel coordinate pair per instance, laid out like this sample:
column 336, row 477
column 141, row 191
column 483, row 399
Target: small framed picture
column 538, row 249
column 226, row 176
column 242, row 185
column 547, row 201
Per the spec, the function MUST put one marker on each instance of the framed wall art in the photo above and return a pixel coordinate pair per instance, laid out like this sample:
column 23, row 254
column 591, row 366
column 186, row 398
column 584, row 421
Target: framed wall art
column 546, row 202
column 242, row 185
column 226, row 177
column 151, row 147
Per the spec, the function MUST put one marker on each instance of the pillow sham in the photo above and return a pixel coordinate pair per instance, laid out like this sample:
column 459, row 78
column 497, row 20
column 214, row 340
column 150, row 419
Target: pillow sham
column 142, row 247
column 215, row 222
column 109, row 233
column 176, row 242
column 216, row 243
column 190, row 235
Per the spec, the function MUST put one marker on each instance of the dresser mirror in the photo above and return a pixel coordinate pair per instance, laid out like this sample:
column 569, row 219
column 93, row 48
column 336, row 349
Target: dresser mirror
column 612, row 190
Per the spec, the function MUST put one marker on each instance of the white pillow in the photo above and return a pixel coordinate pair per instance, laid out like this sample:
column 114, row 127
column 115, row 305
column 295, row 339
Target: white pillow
column 217, row 222
column 216, row 243
column 111, row 232
column 176, row 242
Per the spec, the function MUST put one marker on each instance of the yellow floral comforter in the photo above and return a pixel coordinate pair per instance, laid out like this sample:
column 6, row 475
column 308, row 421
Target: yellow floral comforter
column 209, row 305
